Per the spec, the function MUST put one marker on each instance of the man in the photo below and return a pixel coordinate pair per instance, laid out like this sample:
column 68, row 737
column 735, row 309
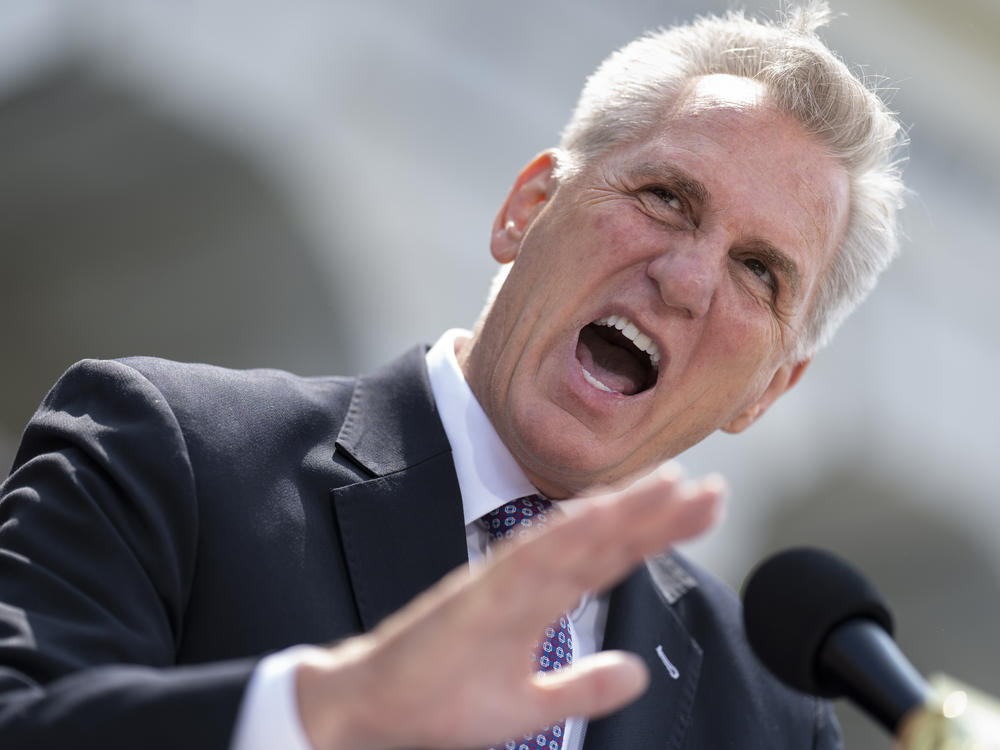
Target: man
column 723, row 195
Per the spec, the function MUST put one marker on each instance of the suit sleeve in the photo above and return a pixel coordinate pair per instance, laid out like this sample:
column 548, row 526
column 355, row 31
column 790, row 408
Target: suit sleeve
column 827, row 736
column 98, row 547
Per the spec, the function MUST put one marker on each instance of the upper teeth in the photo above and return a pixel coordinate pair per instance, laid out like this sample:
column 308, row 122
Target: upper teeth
column 630, row 331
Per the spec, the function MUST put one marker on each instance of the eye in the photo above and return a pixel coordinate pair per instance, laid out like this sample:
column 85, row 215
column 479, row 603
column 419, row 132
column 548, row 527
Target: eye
column 759, row 269
column 668, row 197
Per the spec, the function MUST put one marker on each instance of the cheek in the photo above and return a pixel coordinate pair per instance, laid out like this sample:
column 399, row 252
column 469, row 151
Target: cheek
column 572, row 261
column 624, row 237
column 739, row 335
column 739, row 354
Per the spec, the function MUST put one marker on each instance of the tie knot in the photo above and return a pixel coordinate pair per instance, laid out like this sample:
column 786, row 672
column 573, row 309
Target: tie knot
column 517, row 517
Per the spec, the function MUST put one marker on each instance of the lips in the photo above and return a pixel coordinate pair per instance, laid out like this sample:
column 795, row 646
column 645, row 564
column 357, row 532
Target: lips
column 617, row 357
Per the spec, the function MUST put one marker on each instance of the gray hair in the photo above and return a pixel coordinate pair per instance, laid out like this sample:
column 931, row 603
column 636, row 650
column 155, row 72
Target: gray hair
column 628, row 95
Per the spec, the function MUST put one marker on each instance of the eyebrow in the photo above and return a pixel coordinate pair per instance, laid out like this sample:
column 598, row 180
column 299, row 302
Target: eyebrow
column 692, row 188
column 695, row 191
column 778, row 260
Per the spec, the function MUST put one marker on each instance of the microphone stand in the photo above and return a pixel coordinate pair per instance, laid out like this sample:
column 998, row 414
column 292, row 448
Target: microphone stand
column 954, row 717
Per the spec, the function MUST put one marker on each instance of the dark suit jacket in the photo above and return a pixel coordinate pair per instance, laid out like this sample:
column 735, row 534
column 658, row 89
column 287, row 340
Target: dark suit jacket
column 166, row 524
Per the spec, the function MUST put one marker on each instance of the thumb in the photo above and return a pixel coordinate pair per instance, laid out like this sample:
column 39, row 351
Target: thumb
column 594, row 686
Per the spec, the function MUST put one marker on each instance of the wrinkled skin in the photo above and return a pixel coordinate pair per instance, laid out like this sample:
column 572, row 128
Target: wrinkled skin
column 710, row 236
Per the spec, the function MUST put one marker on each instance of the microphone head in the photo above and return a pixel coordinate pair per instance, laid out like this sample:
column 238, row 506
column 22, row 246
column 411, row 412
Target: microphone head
column 793, row 600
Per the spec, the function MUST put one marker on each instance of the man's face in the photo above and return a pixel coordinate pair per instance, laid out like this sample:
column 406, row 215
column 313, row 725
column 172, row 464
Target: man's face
column 708, row 238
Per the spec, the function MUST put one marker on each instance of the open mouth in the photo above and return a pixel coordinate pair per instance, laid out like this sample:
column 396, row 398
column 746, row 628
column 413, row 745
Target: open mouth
column 617, row 357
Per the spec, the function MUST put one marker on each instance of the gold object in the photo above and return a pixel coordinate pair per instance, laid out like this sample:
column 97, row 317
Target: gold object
column 955, row 717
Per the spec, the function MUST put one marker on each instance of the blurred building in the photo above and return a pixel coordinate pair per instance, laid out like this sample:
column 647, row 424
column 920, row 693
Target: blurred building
column 310, row 185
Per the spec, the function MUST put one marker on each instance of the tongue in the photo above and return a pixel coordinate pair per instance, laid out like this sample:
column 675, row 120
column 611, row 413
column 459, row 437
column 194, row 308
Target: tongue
column 616, row 367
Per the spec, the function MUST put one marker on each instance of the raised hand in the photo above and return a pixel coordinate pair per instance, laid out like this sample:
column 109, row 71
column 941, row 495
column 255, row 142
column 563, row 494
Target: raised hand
column 454, row 668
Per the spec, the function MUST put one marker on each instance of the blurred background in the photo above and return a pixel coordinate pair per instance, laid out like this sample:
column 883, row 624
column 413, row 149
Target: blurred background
column 310, row 185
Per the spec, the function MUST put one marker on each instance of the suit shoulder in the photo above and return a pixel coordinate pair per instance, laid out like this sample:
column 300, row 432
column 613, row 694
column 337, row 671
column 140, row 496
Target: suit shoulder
column 210, row 405
column 215, row 402
column 179, row 377
column 188, row 385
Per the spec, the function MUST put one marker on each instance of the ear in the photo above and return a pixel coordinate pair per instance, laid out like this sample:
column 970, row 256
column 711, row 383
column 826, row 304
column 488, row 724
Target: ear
column 786, row 376
column 534, row 185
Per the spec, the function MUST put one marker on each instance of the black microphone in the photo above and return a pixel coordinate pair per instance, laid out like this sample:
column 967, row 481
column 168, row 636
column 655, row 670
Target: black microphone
column 822, row 628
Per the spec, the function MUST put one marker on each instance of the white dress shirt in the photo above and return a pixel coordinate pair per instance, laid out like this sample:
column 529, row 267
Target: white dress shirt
column 488, row 477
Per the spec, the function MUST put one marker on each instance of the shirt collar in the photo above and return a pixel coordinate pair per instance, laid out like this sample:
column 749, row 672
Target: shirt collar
column 488, row 475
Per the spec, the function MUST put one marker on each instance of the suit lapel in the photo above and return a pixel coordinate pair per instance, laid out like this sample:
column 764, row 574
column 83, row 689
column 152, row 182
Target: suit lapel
column 642, row 620
column 403, row 529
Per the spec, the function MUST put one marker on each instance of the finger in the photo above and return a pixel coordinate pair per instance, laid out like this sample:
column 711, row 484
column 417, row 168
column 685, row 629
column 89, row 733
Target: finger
column 651, row 514
column 693, row 508
column 594, row 686
column 612, row 518
column 671, row 470
column 602, row 544
column 659, row 510
column 605, row 558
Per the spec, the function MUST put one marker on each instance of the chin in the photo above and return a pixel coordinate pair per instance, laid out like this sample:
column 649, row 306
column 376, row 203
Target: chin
column 564, row 458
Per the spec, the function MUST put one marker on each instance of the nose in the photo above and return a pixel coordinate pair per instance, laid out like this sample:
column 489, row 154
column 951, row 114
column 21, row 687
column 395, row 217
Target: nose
column 687, row 277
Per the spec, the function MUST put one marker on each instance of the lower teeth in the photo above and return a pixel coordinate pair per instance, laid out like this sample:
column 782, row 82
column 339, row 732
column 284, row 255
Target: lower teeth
column 594, row 381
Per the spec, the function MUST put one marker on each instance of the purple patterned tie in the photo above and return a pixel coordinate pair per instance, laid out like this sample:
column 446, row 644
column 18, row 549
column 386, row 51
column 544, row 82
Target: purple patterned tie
column 556, row 649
